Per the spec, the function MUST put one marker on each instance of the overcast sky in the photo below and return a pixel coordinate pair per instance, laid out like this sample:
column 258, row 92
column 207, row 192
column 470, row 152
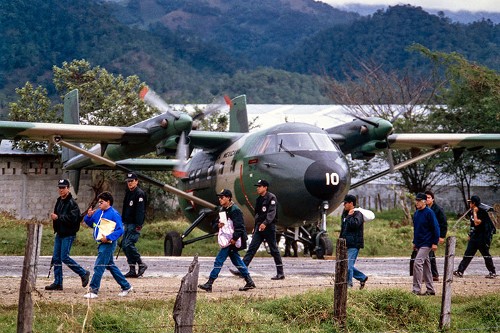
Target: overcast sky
column 453, row 5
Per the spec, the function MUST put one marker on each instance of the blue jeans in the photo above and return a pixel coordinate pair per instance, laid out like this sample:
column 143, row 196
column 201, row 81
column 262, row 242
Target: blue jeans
column 62, row 247
column 353, row 272
column 104, row 261
column 233, row 254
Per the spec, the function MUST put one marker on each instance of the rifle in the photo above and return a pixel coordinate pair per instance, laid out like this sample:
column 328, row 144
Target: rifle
column 51, row 265
column 461, row 217
column 119, row 249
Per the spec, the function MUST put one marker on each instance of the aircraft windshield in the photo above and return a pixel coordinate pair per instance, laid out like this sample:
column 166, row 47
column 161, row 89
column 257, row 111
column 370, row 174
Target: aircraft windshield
column 295, row 142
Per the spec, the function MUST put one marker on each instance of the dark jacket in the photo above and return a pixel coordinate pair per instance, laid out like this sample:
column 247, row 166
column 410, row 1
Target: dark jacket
column 351, row 229
column 485, row 230
column 134, row 207
column 441, row 218
column 234, row 213
column 425, row 228
column 68, row 217
column 266, row 209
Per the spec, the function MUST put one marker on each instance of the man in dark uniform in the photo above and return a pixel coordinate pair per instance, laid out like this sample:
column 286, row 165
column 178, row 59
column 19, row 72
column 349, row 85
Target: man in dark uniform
column 443, row 229
column 134, row 210
column 266, row 216
column 480, row 237
column 66, row 223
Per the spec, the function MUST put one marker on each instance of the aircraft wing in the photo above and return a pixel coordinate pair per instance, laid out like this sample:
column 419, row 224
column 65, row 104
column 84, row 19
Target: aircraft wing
column 14, row 130
column 212, row 140
column 434, row 140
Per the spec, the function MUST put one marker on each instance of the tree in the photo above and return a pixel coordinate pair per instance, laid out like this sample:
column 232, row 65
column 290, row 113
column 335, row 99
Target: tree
column 33, row 105
column 105, row 99
column 472, row 100
column 401, row 99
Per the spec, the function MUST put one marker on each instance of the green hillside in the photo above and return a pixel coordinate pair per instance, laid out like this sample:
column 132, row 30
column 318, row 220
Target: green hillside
column 191, row 51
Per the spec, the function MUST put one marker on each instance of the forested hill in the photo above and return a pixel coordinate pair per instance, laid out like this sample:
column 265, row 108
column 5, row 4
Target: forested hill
column 191, row 51
column 384, row 37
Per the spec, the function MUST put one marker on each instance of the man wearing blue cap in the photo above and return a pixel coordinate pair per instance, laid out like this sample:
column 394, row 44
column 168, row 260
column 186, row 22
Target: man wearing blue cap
column 425, row 239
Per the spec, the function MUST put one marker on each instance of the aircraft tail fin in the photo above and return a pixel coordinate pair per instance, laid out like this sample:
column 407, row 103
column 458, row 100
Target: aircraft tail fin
column 238, row 117
column 71, row 115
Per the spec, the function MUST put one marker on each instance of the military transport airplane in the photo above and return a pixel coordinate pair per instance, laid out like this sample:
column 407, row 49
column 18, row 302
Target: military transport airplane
column 306, row 165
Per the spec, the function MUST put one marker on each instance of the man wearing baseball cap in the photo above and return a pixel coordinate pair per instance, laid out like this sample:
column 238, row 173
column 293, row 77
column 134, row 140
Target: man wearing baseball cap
column 480, row 237
column 133, row 215
column 351, row 229
column 231, row 215
column 266, row 216
column 66, row 223
column 425, row 239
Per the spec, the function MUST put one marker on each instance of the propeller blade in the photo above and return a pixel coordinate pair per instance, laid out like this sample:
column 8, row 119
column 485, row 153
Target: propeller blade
column 217, row 105
column 153, row 99
column 374, row 124
column 180, row 171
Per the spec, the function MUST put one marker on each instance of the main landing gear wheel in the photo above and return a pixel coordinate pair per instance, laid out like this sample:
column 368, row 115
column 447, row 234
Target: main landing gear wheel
column 324, row 248
column 172, row 246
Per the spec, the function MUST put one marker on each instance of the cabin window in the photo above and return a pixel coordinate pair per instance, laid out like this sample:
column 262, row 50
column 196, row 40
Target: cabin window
column 221, row 168
column 323, row 142
column 210, row 171
column 197, row 175
column 191, row 176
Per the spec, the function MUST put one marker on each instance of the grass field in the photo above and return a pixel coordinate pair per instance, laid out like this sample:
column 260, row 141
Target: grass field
column 381, row 310
column 386, row 236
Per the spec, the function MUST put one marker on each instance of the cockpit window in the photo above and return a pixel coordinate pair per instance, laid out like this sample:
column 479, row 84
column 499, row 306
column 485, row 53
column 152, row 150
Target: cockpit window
column 273, row 143
column 295, row 141
column 323, row 142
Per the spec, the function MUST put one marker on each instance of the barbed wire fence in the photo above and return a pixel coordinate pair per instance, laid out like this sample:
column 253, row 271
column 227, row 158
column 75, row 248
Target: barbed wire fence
column 332, row 277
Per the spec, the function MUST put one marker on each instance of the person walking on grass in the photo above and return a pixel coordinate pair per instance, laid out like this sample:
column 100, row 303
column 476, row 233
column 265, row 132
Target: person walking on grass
column 107, row 224
column 66, row 223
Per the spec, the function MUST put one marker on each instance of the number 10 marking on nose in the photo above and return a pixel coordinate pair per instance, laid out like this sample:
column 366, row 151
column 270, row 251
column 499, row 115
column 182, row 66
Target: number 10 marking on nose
column 332, row 179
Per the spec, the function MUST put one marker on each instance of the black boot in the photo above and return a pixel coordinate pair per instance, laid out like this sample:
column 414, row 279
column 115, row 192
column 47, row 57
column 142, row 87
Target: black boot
column 279, row 275
column 131, row 273
column 142, row 268
column 207, row 286
column 249, row 285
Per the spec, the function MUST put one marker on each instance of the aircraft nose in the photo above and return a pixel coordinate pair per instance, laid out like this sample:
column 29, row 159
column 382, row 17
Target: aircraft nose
column 327, row 179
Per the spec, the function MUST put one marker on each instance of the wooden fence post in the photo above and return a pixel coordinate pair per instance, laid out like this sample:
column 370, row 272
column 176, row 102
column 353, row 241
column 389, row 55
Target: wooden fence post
column 185, row 303
column 340, row 289
column 28, row 279
column 449, row 257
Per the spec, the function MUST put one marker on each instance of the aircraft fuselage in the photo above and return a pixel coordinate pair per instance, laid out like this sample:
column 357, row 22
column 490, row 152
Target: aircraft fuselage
column 304, row 167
